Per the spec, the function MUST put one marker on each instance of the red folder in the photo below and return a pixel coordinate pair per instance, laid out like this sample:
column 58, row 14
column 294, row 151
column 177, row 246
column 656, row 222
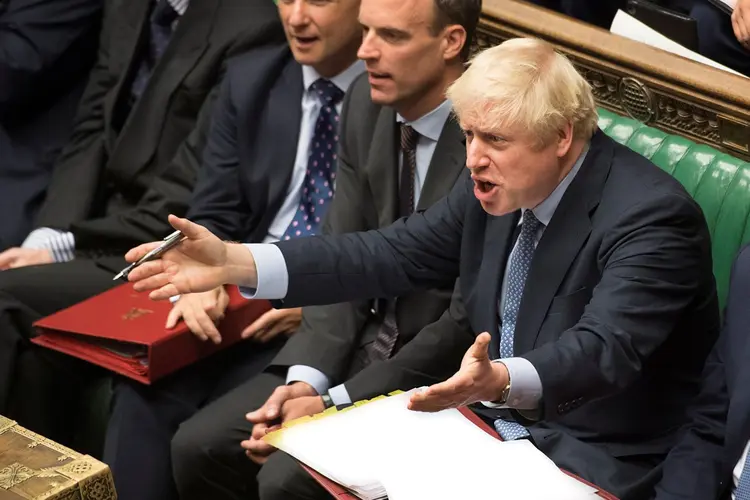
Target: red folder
column 339, row 492
column 123, row 330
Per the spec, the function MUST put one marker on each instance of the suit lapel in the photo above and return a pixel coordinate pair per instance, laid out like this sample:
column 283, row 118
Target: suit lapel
column 189, row 41
column 446, row 165
column 383, row 171
column 282, row 119
column 497, row 244
column 562, row 240
column 126, row 38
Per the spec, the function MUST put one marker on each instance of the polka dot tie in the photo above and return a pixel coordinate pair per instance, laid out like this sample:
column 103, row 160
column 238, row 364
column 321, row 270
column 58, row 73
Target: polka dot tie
column 519, row 268
column 317, row 189
column 743, row 486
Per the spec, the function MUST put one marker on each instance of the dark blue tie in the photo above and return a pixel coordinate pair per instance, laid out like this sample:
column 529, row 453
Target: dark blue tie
column 520, row 263
column 317, row 189
column 160, row 31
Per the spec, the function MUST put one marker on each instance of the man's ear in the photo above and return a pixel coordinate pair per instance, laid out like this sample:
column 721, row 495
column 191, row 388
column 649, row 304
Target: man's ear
column 454, row 39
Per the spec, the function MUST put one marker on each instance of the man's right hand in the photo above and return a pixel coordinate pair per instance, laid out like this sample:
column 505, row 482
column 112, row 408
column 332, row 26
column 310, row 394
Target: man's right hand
column 270, row 416
column 201, row 262
column 201, row 313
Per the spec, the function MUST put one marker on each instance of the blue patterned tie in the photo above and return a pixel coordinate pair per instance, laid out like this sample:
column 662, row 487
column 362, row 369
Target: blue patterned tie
column 519, row 268
column 317, row 189
column 743, row 487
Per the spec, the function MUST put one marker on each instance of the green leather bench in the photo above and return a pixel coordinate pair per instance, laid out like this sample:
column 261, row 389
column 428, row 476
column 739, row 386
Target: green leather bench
column 720, row 183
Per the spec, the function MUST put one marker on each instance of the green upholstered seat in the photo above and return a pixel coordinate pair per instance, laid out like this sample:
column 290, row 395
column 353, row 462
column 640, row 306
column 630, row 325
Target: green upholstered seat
column 720, row 183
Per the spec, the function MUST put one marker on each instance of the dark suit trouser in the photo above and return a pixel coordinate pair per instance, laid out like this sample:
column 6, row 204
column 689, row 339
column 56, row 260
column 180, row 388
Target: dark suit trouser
column 208, row 461
column 36, row 383
column 145, row 419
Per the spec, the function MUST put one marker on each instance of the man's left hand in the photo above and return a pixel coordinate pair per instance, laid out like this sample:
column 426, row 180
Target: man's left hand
column 479, row 379
column 256, row 449
column 273, row 323
column 22, row 257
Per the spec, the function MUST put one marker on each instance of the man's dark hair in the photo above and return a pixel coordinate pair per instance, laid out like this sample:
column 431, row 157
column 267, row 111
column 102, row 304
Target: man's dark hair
column 463, row 12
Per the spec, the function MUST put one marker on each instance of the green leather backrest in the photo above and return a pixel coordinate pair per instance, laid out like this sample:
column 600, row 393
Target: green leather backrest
column 720, row 183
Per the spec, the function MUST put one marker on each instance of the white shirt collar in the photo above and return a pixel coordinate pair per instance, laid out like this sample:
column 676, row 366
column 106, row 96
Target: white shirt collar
column 343, row 80
column 430, row 125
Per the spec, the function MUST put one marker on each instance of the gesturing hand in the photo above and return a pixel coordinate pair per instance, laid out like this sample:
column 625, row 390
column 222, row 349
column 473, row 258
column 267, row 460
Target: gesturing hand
column 478, row 380
column 201, row 262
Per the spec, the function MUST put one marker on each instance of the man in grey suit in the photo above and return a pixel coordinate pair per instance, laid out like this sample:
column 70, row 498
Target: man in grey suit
column 400, row 150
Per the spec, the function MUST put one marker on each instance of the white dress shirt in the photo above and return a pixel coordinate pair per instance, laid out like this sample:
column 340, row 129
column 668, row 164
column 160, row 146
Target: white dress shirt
column 429, row 127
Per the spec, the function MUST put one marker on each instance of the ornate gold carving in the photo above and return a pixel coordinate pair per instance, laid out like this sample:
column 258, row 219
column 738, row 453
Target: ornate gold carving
column 99, row 488
column 636, row 99
column 5, row 424
column 14, row 474
column 32, row 444
column 689, row 120
column 76, row 468
column 135, row 313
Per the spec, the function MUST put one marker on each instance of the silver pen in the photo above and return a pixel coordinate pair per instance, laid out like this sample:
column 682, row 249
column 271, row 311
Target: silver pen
column 169, row 242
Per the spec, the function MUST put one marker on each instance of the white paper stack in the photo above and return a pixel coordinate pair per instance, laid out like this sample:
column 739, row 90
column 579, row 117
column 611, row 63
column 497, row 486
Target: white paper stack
column 381, row 448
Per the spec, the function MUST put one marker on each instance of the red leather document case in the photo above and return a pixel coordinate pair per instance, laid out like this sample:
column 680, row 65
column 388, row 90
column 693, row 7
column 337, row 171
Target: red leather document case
column 123, row 330
column 339, row 492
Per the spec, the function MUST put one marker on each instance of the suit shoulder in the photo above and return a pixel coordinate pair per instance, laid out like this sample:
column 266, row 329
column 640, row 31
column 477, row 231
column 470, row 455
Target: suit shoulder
column 642, row 181
column 258, row 60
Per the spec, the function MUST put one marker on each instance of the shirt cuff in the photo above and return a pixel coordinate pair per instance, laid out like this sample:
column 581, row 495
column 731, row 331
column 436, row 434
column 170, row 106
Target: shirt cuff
column 61, row 244
column 339, row 395
column 310, row 375
column 525, row 387
column 272, row 273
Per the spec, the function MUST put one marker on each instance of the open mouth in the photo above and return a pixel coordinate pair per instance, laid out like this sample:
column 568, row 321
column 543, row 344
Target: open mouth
column 484, row 186
column 379, row 76
column 305, row 40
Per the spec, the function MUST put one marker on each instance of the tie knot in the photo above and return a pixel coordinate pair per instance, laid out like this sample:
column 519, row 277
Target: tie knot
column 164, row 13
column 530, row 222
column 408, row 138
column 327, row 91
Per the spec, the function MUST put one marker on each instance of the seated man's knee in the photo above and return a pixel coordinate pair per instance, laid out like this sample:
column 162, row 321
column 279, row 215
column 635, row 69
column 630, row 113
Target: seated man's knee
column 190, row 450
column 282, row 478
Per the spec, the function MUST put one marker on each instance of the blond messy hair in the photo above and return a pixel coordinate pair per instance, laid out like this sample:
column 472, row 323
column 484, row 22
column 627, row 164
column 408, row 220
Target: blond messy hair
column 524, row 84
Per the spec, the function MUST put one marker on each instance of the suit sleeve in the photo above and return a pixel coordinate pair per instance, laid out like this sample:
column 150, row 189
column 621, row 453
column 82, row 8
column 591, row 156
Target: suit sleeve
column 416, row 253
column 328, row 334
column 43, row 49
column 83, row 156
column 693, row 469
column 427, row 359
column 655, row 261
column 218, row 202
